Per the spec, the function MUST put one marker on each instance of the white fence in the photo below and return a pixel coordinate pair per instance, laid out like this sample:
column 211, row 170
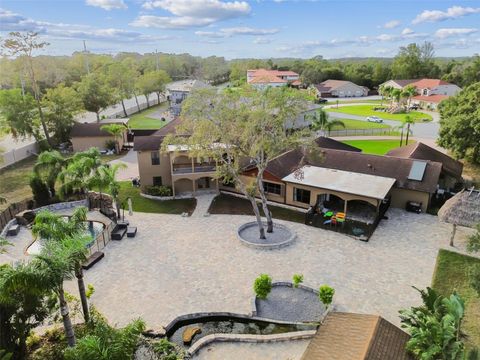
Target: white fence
column 20, row 153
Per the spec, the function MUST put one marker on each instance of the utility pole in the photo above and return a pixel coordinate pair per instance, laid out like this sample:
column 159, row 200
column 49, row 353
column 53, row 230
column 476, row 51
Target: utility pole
column 156, row 60
column 86, row 57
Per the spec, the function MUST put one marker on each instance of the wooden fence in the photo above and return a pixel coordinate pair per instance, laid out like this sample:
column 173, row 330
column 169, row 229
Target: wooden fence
column 10, row 212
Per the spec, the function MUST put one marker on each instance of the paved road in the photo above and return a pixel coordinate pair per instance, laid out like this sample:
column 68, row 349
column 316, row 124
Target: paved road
column 427, row 130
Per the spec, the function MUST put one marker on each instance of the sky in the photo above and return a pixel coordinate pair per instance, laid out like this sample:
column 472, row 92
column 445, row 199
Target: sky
column 248, row 28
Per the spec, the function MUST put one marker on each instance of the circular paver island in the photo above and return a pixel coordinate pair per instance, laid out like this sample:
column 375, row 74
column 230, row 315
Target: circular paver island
column 281, row 236
column 287, row 303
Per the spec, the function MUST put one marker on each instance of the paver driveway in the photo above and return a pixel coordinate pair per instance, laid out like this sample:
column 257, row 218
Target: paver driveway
column 179, row 265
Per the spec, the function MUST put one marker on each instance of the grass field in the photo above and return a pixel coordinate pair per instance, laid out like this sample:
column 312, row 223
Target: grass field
column 377, row 147
column 142, row 120
column 141, row 204
column 451, row 273
column 359, row 124
column 14, row 181
column 367, row 110
column 228, row 204
column 354, row 101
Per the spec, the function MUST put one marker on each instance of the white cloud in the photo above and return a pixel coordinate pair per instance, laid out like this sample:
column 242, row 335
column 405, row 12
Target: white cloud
column 191, row 13
column 229, row 32
column 391, row 24
column 10, row 21
column 407, row 31
column 262, row 40
column 446, row 33
column 438, row 15
column 107, row 4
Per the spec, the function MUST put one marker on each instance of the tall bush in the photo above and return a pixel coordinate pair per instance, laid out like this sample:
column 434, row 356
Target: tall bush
column 40, row 191
column 325, row 294
column 262, row 286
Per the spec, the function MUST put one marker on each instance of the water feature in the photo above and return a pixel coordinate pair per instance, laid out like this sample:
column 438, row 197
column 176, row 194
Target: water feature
column 217, row 324
column 92, row 228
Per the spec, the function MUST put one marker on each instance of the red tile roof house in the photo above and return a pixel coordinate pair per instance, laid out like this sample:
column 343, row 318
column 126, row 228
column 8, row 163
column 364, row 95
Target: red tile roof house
column 430, row 91
column 262, row 78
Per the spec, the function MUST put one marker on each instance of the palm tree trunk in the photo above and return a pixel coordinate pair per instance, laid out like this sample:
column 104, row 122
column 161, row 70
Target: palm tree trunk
column 67, row 322
column 83, row 294
column 401, row 137
column 408, row 133
column 452, row 237
column 124, row 110
column 117, row 205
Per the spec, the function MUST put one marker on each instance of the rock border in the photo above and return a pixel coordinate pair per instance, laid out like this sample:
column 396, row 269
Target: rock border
column 248, row 338
column 269, row 246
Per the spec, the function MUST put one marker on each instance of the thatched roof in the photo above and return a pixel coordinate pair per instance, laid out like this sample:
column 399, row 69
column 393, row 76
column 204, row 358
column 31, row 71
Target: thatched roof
column 463, row 209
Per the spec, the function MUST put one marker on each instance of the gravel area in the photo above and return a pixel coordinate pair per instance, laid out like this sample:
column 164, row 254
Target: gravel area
column 290, row 304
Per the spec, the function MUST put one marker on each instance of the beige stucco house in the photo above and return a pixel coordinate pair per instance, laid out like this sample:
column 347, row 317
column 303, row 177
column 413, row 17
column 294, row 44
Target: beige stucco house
column 84, row 136
column 339, row 88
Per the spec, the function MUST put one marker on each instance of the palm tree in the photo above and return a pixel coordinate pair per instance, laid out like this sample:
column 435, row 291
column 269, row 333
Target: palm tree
column 396, row 95
column 409, row 121
column 77, row 175
column 385, row 91
column 117, row 131
column 58, row 262
column 107, row 175
column 53, row 227
column 320, row 121
column 408, row 92
column 48, row 165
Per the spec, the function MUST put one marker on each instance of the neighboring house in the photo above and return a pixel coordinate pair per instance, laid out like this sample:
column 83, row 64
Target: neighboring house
column 262, row 78
column 179, row 90
column 87, row 135
column 428, row 87
column 429, row 102
column 173, row 168
column 339, row 88
column 357, row 337
column 398, row 84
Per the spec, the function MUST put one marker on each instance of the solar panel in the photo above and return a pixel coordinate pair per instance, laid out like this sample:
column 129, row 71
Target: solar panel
column 417, row 170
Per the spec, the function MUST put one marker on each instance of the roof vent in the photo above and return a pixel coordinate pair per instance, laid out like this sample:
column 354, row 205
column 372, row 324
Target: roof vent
column 417, row 170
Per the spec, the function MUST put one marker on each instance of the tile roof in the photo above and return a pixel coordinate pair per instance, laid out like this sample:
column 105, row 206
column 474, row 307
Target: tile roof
column 404, row 83
column 186, row 85
column 420, row 151
column 332, row 85
column 387, row 166
column 431, row 98
column 261, row 76
column 267, row 78
column 429, row 83
column 348, row 336
column 91, row 129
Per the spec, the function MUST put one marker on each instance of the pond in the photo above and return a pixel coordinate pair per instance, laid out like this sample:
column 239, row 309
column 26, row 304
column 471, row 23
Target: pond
column 232, row 325
column 92, row 228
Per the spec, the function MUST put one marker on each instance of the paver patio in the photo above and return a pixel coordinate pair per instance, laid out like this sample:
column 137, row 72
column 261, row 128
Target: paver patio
column 179, row 265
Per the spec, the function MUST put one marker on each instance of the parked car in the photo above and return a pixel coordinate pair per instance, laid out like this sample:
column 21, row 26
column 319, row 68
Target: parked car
column 374, row 119
column 413, row 107
column 321, row 101
column 413, row 206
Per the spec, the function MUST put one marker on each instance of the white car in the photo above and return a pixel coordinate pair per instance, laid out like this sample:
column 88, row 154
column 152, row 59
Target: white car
column 374, row 119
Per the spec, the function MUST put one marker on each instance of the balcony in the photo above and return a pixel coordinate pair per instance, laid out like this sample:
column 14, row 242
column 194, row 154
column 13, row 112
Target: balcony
column 197, row 168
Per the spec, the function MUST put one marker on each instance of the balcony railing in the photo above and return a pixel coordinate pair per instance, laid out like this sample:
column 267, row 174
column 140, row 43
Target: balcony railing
column 197, row 168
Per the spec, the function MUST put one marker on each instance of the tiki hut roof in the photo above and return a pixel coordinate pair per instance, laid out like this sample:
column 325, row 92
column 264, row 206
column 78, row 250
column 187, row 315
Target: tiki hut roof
column 463, row 209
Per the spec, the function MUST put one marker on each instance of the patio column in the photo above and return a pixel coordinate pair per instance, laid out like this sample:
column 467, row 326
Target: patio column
column 193, row 183
column 218, row 190
column 193, row 167
column 345, row 202
column 173, row 187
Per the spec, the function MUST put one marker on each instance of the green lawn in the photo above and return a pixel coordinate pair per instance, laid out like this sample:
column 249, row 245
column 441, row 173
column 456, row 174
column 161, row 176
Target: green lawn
column 145, row 205
column 367, row 110
column 142, row 120
column 377, row 147
column 232, row 205
column 359, row 124
column 451, row 273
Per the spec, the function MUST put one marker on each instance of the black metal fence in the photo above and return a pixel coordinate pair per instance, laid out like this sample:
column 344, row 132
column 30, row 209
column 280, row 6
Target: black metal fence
column 363, row 132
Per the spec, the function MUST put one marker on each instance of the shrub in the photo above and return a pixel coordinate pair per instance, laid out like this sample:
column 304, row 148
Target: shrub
column 167, row 350
column 297, row 280
column 111, row 144
column 40, row 191
column 262, row 286
column 325, row 294
column 158, row 190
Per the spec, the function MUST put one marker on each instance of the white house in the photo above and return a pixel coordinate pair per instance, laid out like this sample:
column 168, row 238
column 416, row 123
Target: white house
column 179, row 90
column 339, row 88
column 426, row 87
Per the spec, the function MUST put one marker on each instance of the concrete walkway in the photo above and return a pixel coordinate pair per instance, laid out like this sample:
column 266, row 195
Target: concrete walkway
column 203, row 204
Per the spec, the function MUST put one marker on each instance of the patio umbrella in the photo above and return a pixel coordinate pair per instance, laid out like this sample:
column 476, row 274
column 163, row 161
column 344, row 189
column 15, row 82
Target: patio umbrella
column 462, row 209
column 130, row 209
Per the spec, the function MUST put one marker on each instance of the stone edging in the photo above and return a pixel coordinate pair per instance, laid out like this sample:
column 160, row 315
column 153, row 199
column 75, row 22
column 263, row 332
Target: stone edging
column 63, row 205
column 272, row 246
column 286, row 284
column 163, row 198
column 248, row 338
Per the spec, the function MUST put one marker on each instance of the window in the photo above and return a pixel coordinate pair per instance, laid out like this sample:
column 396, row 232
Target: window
column 155, row 158
column 272, row 188
column 157, row 181
column 301, row 195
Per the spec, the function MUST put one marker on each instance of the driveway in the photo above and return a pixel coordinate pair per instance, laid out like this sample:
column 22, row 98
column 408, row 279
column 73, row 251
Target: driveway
column 180, row 265
column 131, row 171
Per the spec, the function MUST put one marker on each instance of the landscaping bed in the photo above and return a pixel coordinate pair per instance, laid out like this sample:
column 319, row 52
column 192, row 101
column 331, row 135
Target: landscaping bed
column 452, row 274
column 142, row 204
column 367, row 110
column 232, row 205
column 287, row 303
column 376, row 147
